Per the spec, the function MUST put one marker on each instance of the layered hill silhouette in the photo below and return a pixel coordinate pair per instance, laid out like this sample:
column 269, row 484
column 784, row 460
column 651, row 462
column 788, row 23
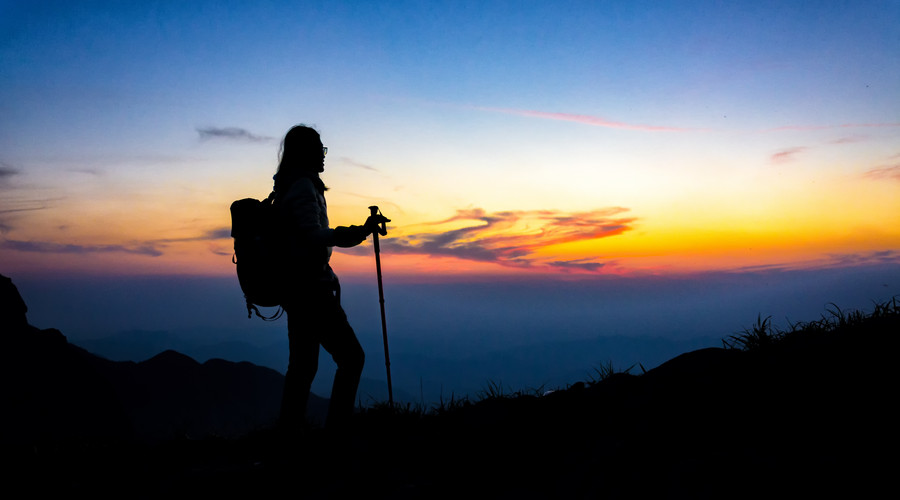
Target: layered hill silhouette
column 809, row 412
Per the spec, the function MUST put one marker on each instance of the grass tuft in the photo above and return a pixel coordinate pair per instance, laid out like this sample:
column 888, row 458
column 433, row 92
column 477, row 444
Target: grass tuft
column 763, row 334
column 605, row 371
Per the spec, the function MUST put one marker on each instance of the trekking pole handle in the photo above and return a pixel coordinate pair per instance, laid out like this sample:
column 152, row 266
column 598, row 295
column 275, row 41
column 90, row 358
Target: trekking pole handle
column 373, row 210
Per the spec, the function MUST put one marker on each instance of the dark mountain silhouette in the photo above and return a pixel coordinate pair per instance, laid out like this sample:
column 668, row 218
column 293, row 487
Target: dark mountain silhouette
column 806, row 413
column 55, row 390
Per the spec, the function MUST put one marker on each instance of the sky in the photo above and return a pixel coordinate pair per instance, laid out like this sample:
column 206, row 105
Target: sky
column 501, row 138
column 554, row 142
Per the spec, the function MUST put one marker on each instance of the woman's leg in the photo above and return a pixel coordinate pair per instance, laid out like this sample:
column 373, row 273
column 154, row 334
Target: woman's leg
column 340, row 341
column 302, row 366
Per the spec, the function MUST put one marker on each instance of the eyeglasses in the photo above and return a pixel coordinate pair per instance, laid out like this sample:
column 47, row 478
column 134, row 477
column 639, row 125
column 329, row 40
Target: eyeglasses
column 324, row 151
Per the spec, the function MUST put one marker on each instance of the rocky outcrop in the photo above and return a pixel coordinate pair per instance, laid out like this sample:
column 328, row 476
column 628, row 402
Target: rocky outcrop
column 12, row 308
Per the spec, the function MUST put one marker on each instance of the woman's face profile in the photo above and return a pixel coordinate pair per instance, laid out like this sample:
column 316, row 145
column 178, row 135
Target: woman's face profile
column 307, row 148
column 317, row 154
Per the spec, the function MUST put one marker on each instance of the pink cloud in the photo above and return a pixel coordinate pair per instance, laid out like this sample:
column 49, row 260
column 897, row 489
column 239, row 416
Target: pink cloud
column 593, row 121
column 848, row 140
column 891, row 172
column 787, row 155
column 496, row 237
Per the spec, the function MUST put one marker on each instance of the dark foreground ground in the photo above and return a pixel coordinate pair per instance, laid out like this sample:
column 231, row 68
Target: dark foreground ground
column 801, row 414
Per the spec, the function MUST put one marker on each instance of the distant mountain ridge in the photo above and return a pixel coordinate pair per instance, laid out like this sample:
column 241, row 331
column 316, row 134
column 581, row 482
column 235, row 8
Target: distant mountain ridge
column 424, row 372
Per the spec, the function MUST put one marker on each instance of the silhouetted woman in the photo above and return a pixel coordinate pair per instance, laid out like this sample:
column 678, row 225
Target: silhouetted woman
column 313, row 306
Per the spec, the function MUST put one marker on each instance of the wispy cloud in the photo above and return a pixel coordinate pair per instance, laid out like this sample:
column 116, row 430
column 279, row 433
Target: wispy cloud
column 218, row 234
column 10, row 203
column 865, row 258
column 11, row 207
column 787, row 155
column 212, row 234
column 890, row 172
column 830, row 261
column 88, row 171
column 153, row 248
column 594, row 121
column 514, row 238
column 848, row 139
column 49, row 247
column 829, row 127
column 224, row 252
column 230, row 133
column 25, row 205
column 578, row 265
column 357, row 164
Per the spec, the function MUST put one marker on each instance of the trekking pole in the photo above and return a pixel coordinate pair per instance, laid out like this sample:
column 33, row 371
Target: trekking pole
column 387, row 357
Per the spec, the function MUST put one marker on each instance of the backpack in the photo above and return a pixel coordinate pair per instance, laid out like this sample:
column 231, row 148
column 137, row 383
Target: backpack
column 260, row 253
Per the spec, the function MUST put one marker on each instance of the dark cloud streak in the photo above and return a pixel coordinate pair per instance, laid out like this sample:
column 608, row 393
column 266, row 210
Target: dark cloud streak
column 865, row 258
column 88, row 171
column 212, row 234
column 218, row 234
column 67, row 248
column 230, row 133
column 580, row 265
column 152, row 248
column 6, row 172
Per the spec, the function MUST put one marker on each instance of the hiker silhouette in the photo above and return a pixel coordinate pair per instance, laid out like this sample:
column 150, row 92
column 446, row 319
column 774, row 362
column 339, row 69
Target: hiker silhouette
column 313, row 297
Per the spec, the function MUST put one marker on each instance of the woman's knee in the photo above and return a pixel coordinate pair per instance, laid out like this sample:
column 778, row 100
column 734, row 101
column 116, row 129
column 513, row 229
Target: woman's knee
column 353, row 358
